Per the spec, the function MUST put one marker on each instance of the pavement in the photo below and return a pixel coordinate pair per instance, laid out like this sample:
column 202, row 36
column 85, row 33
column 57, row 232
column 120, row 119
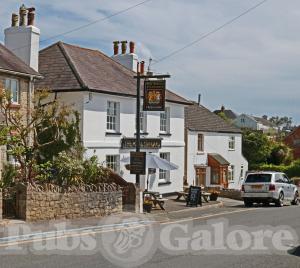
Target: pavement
column 158, row 240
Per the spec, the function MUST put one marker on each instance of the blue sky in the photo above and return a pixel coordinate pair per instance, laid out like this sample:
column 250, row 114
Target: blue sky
column 251, row 66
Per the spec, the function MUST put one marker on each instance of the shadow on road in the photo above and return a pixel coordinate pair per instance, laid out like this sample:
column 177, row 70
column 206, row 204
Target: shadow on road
column 295, row 251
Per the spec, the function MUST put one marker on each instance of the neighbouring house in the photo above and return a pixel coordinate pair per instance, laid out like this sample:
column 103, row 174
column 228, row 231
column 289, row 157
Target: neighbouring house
column 213, row 155
column 227, row 112
column 293, row 141
column 245, row 121
column 18, row 72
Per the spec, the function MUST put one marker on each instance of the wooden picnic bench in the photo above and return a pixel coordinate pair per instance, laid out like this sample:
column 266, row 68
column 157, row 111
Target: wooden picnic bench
column 204, row 195
column 156, row 199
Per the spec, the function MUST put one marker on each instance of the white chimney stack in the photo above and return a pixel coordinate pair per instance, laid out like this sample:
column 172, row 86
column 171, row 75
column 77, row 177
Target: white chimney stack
column 129, row 60
column 23, row 38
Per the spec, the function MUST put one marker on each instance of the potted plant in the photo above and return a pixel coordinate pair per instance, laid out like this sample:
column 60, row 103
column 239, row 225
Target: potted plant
column 147, row 204
column 214, row 195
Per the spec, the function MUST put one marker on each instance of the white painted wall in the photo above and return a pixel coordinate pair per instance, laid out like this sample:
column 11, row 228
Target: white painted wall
column 93, row 126
column 215, row 143
column 24, row 41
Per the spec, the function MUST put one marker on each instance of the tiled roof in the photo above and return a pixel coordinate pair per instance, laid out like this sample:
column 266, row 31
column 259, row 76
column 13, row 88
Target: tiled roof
column 228, row 113
column 220, row 159
column 264, row 121
column 68, row 68
column 199, row 118
column 10, row 62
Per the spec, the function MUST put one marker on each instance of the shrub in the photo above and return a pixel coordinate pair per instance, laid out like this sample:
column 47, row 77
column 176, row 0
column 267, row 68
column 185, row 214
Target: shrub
column 9, row 175
column 94, row 173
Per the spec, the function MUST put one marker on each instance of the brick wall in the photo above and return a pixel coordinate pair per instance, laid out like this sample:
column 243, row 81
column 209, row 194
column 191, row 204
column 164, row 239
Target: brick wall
column 33, row 205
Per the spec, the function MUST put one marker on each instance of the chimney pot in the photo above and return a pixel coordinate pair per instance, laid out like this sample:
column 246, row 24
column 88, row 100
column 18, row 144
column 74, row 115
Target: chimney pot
column 31, row 16
column 131, row 47
column 23, row 13
column 116, row 47
column 14, row 20
column 124, row 46
column 142, row 67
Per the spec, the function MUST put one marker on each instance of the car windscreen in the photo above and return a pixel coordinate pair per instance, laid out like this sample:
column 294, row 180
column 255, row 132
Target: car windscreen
column 253, row 178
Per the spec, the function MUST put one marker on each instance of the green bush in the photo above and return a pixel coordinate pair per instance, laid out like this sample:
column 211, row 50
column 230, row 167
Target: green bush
column 292, row 170
column 9, row 175
column 93, row 173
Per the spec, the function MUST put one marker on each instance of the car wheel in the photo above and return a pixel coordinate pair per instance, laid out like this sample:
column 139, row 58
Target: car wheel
column 248, row 203
column 296, row 199
column 279, row 201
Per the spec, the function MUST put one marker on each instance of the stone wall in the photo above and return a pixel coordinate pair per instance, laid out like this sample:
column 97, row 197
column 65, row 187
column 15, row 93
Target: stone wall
column 46, row 205
column 232, row 194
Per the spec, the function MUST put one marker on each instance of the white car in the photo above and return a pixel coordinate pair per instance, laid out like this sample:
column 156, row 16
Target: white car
column 269, row 187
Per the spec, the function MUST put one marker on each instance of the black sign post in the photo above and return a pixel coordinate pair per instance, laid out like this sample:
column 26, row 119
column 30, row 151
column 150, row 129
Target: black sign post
column 138, row 78
column 138, row 163
column 194, row 197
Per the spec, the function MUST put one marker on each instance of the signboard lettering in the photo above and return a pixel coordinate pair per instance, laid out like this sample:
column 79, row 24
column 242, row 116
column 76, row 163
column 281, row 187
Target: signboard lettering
column 194, row 197
column 138, row 163
column 129, row 143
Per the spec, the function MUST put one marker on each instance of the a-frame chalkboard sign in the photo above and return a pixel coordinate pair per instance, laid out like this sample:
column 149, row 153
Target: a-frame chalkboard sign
column 194, row 197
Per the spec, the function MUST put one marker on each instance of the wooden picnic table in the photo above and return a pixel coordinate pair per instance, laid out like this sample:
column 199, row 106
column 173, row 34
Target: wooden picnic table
column 156, row 199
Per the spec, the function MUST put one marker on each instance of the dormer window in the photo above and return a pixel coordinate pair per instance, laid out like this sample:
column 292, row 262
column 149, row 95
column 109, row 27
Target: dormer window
column 12, row 85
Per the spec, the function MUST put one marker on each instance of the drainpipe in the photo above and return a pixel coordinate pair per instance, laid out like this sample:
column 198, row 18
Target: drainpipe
column 29, row 105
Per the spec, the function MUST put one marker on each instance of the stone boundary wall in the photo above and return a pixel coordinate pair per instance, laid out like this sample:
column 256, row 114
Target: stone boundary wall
column 232, row 194
column 46, row 205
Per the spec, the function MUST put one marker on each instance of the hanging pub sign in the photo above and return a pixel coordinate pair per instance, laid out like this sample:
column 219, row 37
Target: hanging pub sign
column 154, row 95
column 138, row 163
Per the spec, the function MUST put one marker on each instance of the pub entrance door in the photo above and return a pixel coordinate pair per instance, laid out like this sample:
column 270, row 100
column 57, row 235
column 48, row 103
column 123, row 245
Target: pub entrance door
column 200, row 179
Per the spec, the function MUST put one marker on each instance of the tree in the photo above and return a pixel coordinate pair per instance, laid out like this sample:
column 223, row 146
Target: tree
column 256, row 147
column 47, row 131
column 282, row 122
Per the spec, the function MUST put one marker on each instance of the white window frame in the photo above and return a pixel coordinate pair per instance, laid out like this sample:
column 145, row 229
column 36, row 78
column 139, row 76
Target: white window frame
column 113, row 162
column 113, row 116
column 231, row 143
column 165, row 121
column 231, row 172
column 164, row 175
column 15, row 98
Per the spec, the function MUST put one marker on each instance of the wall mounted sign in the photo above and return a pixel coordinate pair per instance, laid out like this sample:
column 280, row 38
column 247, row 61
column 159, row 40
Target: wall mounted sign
column 138, row 163
column 154, row 95
column 130, row 143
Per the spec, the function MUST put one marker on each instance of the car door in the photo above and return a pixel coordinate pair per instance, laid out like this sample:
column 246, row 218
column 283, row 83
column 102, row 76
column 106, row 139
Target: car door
column 290, row 187
column 287, row 187
column 280, row 185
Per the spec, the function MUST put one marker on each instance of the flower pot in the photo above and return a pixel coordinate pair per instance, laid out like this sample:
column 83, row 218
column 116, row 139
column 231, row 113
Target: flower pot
column 147, row 207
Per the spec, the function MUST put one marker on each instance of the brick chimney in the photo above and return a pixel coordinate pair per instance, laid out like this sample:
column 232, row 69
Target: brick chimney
column 129, row 60
column 23, row 38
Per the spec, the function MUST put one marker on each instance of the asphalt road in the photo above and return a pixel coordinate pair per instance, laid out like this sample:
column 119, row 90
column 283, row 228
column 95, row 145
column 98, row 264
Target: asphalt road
column 175, row 244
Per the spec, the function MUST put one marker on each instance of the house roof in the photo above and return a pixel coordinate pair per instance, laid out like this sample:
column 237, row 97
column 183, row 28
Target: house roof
column 228, row 113
column 72, row 68
column 220, row 159
column 264, row 121
column 199, row 118
column 10, row 62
